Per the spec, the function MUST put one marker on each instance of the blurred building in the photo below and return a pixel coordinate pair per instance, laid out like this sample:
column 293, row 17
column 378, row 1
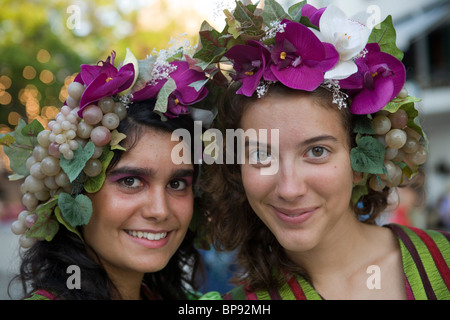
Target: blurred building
column 423, row 33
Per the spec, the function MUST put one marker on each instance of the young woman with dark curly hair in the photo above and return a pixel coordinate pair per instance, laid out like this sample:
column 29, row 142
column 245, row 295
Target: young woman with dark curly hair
column 112, row 214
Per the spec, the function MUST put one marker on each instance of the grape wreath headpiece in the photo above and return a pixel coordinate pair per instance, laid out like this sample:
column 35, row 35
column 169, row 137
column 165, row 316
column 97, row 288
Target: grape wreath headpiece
column 306, row 48
column 58, row 164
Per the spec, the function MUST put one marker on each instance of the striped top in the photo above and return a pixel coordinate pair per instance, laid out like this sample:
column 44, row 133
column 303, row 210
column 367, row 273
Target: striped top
column 47, row 295
column 426, row 268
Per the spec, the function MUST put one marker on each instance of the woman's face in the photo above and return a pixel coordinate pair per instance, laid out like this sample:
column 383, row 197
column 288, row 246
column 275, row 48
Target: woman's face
column 310, row 193
column 144, row 208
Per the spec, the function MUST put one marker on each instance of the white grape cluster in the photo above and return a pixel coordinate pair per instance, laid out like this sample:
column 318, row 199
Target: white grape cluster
column 402, row 144
column 65, row 134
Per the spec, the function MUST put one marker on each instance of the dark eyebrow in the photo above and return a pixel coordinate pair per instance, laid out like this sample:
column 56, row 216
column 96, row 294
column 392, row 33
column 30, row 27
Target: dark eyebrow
column 318, row 139
column 132, row 171
column 303, row 143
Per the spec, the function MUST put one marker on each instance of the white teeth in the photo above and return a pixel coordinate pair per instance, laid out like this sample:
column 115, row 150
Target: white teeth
column 147, row 235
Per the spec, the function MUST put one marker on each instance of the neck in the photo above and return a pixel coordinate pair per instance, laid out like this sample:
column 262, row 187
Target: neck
column 338, row 252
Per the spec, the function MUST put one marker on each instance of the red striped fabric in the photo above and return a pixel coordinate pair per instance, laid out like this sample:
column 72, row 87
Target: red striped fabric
column 436, row 254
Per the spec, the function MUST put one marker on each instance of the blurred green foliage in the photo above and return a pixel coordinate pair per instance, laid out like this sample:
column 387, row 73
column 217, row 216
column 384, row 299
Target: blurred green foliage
column 56, row 37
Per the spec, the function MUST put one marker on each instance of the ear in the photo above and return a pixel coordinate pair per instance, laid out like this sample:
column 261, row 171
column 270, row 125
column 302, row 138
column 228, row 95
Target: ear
column 357, row 177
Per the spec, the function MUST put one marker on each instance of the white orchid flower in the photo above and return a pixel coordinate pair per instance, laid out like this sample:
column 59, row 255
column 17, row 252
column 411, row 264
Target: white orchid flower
column 349, row 36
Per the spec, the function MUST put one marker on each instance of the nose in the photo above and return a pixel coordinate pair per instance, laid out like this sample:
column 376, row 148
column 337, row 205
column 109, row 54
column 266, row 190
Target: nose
column 156, row 204
column 291, row 183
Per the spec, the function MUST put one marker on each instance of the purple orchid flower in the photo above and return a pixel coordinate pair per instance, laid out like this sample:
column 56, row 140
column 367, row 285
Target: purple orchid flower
column 183, row 96
column 250, row 62
column 312, row 13
column 300, row 59
column 379, row 79
column 104, row 81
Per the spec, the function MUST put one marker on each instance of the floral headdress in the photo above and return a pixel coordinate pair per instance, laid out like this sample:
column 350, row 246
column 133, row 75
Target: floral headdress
column 306, row 48
column 72, row 155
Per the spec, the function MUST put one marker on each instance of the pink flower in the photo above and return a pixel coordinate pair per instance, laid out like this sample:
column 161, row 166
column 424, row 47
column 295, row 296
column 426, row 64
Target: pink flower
column 379, row 79
column 300, row 59
column 183, row 96
column 249, row 62
column 104, row 81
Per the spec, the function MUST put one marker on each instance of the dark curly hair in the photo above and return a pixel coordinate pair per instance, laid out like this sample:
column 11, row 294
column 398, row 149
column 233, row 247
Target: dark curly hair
column 44, row 266
column 233, row 223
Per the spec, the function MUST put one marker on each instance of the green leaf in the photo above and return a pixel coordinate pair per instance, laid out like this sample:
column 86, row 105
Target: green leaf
column 397, row 103
column 64, row 222
column 368, row 156
column 94, row 184
column 46, row 225
column 20, row 150
column 385, row 35
column 234, row 26
column 7, row 139
column 74, row 167
column 198, row 85
column 75, row 211
column 130, row 58
column 116, row 138
column 163, row 96
column 358, row 192
column 363, row 125
column 273, row 12
column 145, row 68
column 250, row 23
column 213, row 44
column 32, row 129
column 295, row 11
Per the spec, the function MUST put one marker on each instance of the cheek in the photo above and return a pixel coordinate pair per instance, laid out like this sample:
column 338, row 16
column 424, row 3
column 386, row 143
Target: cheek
column 334, row 181
column 182, row 208
column 256, row 186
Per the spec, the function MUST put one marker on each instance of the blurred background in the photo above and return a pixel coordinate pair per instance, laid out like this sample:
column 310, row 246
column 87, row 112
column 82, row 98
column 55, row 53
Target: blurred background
column 43, row 43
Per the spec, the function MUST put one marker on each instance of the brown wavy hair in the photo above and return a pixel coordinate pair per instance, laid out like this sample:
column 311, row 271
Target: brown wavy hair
column 233, row 223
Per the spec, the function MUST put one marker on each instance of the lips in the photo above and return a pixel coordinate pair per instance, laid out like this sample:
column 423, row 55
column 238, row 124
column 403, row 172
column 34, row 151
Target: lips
column 295, row 215
column 147, row 235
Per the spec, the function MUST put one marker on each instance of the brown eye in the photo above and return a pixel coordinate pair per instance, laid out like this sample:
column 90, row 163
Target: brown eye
column 130, row 182
column 177, row 185
column 317, row 151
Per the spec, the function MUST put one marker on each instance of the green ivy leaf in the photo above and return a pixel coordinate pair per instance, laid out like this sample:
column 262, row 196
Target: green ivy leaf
column 74, row 167
column 32, row 129
column 397, row 103
column 250, row 23
column 20, row 149
column 163, row 96
column 273, row 12
column 363, row 125
column 358, row 192
column 368, row 156
column 295, row 11
column 213, row 44
column 94, row 184
column 64, row 222
column 6, row 139
column 75, row 211
column 385, row 35
column 234, row 26
column 46, row 225
column 116, row 138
